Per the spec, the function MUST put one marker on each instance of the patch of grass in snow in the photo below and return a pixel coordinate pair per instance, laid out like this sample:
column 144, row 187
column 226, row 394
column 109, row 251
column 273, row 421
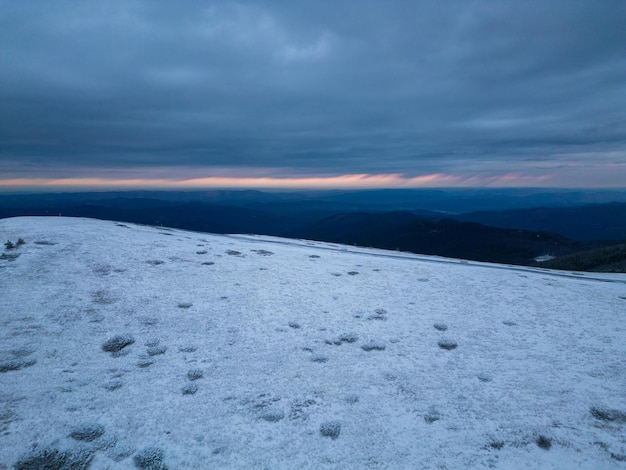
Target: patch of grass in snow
column 319, row 358
column 16, row 364
column 156, row 350
column 543, row 442
column 149, row 321
column 432, row 415
column 441, row 326
column 190, row 389
column 343, row 338
column 195, row 374
column 373, row 345
column 187, row 349
column 150, row 458
column 351, row 398
column 87, row 432
column 447, row 344
column 144, row 362
column 379, row 314
column 330, row 429
column 102, row 270
column 233, row 252
column 348, row 337
column 606, row 414
column 120, row 452
column 117, row 343
column 49, row 458
column 155, row 262
column 185, row 305
column 102, row 297
column 263, row 252
column 496, row 444
column 272, row 414
column 113, row 385
column 299, row 408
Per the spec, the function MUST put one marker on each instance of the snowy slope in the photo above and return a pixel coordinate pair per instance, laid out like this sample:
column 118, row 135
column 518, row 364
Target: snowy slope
column 256, row 352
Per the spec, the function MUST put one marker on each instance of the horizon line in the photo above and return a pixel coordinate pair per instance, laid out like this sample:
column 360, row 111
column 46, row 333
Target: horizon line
column 339, row 182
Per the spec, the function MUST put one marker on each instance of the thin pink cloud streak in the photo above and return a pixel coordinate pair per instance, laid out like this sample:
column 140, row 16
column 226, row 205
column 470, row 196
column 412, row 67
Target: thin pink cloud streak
column 350, row 181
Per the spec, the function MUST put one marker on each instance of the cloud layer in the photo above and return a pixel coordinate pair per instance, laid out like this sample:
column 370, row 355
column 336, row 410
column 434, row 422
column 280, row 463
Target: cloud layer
column 313, row 89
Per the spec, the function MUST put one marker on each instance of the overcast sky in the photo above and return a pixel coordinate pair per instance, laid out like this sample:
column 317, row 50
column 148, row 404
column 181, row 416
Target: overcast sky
column 524, row 92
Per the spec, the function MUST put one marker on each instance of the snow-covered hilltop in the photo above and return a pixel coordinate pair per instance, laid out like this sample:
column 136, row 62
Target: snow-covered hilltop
column 125, row 345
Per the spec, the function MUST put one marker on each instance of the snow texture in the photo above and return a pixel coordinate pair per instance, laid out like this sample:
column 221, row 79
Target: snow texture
column 122, row 347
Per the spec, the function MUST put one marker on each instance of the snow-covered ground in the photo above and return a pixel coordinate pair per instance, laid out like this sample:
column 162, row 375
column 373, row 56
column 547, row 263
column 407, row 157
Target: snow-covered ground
column 261, row 353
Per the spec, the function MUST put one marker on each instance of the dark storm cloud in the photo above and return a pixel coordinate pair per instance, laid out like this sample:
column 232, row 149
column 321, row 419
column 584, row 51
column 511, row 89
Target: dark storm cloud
column 341, row 86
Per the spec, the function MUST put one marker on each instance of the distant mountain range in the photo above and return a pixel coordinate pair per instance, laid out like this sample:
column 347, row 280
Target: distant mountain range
column 399, row 220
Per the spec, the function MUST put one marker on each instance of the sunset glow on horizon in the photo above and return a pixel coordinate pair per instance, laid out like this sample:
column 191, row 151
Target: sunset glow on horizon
column 349, row 181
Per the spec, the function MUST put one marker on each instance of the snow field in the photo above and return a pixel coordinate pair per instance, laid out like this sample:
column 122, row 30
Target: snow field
column 257, row 352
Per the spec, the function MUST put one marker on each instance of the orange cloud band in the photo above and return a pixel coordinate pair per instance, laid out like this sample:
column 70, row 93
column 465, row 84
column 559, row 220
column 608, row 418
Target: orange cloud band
column 353, row 181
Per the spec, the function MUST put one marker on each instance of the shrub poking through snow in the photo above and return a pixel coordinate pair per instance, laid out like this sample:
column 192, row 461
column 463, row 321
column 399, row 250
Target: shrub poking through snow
column 447, row 344
column 272, row 414
column 9, row 245
column 117, row 343
column 263, row 252
column 87, row 432
column 195, row 374
column 150, row 458
column 144, row 362
column 16, row 364
column 113, row 385
column 440, row 326
column 190, row 389
column 605, row 414
column 156, row 350
column 348, row 337
column 351, row 399
column 330, row 429
column 379, row 314
column 294, row 324
column 432, row 415
column 496, row 445
column 50, row 458
column 373, row 345
column 185, row 305
column 319, row 358
column 544, row 442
